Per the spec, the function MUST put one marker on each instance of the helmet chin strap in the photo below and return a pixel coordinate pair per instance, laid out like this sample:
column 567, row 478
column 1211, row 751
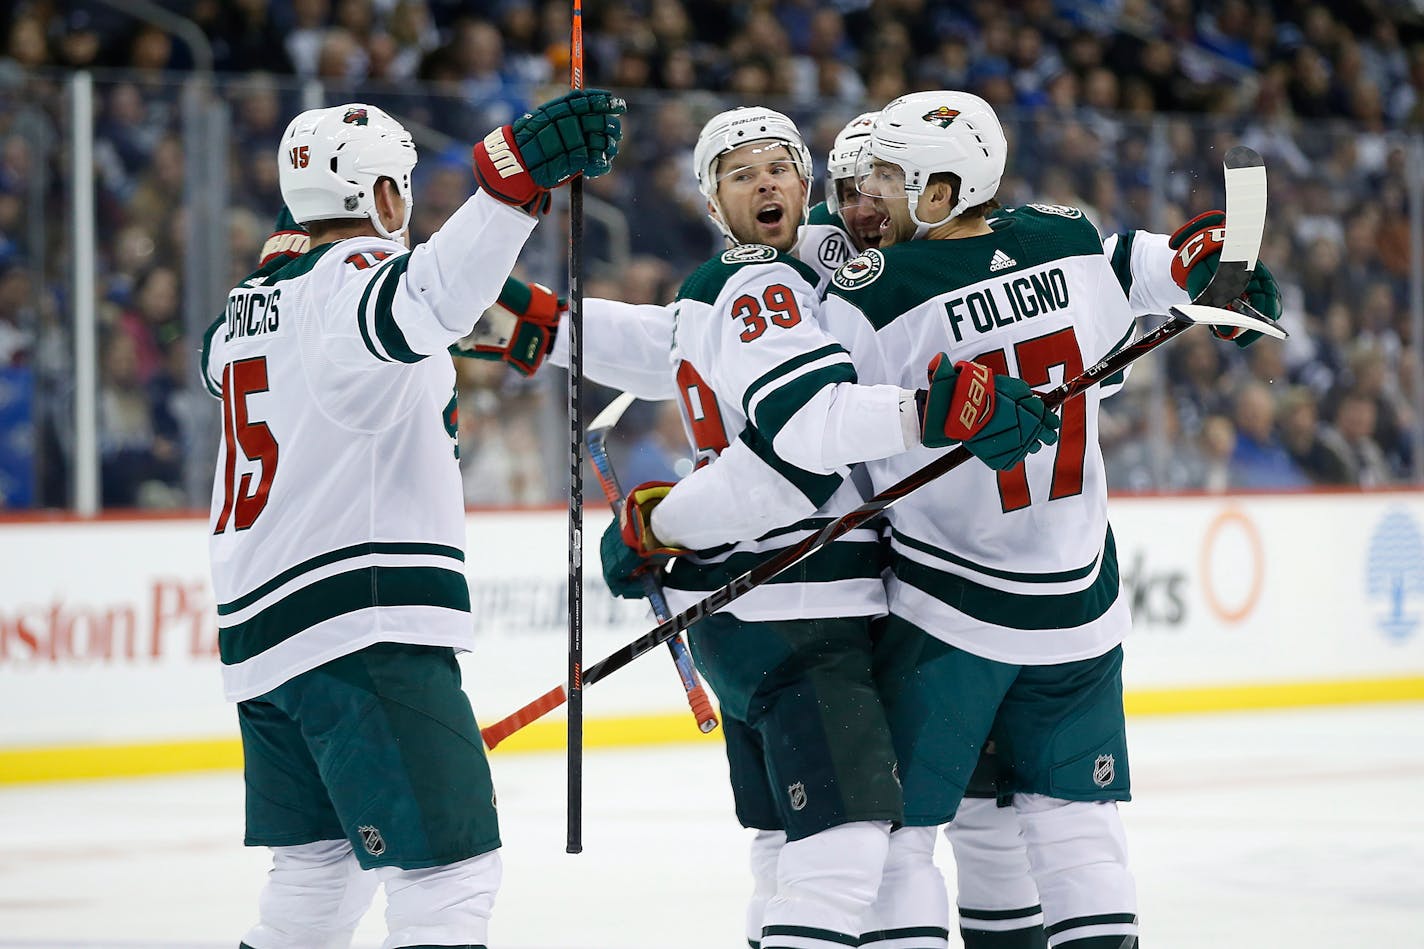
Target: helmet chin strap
column 922, row 228
column 397, row 235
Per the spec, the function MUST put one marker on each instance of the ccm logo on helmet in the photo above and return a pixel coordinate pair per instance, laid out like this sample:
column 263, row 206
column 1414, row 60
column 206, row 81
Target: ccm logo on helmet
column 941, row 116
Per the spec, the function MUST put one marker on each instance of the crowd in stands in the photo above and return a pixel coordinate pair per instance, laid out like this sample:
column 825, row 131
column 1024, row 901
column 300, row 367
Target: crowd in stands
column 1120, row 107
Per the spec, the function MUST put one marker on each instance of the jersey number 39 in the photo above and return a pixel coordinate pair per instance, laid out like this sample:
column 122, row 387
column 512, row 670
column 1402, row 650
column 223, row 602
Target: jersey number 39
column 1035, row 357
column 241, row 502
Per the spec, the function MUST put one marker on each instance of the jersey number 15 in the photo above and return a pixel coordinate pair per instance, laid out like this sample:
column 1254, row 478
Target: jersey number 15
column 241, row 502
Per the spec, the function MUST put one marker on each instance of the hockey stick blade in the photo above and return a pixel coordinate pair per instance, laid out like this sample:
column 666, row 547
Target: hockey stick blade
column 610, row 415
column 1216, row 316
column 1245, row 225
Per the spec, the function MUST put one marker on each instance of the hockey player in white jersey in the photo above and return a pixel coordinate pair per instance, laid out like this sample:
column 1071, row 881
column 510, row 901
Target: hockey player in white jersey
column 791, row 663
column 1006, row 610
column 337, row 522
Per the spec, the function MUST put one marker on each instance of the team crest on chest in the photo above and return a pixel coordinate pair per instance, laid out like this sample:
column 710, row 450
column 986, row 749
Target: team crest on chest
column 859, row 271
column 1104, row 770
column 748, row 254
column 797, row 793
column 371, row 837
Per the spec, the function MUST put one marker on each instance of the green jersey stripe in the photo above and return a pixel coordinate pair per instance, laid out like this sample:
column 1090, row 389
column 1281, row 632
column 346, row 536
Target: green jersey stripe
column 774, row 411
column 996, row 914
column 1016, row 610
column 807, row 932
column 1099, row 919
column 1122, row 261
column 1063, row 576
column 790, row 365
column 906, row 932
column 338, row 595
column 361, row 312
column 334, row 556
column 840, row 561
column 1120, row 377
column 388, row 331
column 817, row 488
column 207, row 354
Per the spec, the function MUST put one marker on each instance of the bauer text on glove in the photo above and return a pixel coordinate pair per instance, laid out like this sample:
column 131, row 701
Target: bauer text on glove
column 575, row 134
column 998, row 418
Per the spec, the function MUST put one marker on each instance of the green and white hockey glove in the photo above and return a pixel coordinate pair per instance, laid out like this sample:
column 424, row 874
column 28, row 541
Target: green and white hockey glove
column 998, row 418
column 575, row 134
column 629, row 549
column 519, row 328
column 1198, row 246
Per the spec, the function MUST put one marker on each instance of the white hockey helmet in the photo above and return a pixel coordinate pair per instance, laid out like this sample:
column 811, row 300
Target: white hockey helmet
column 736, row 127
column 944, row 131
column 330, row 159
column 841, row 163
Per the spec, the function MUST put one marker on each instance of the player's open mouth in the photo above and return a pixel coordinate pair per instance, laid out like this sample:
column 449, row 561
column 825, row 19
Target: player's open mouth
column 770, row 215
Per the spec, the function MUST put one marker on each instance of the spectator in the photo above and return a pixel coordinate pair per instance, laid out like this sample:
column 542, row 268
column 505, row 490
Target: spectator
column 1355, row 425
column 1318, row 452
column 1258, row 460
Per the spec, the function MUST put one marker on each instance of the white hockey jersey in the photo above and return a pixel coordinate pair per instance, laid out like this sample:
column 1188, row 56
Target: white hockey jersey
column 1017, row 566
column 337, row 516
column 749, row 354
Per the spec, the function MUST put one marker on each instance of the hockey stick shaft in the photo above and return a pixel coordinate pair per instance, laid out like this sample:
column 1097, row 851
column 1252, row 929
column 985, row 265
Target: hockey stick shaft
column 575, row 677
column 608, row 480
column 1232, row 276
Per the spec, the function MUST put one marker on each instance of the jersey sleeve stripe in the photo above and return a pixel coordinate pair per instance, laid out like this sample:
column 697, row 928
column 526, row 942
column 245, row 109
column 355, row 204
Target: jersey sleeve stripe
column 338, row 595
column 1115, row 381
column 209, row 380
column 817, row 488
column 1015, row 610
column 363, row 312
column 838, row 561
column 334, row 556
column 776, row 408
column 388, row 331
column 1121, row 259
column 787, row 370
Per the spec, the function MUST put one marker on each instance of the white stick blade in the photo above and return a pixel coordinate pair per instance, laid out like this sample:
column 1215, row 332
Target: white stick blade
column 612, row 412
column 1245, row 202
column 1215, row 316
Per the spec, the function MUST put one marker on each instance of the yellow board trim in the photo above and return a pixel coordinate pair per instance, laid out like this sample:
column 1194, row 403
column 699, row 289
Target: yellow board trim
column 75, row 762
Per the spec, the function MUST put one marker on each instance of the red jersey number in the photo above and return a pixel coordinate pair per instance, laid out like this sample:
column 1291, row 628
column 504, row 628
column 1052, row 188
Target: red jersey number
column 777, row 304
column 242, row 501
column 1035, row 357
column 704, row 419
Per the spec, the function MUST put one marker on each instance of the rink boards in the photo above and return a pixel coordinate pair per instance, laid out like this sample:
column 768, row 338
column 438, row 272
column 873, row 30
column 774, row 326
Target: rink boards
column 108, row 645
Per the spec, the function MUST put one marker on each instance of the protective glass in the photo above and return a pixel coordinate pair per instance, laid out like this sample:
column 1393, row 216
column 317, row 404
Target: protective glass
column 878, row 178
column 751, row 162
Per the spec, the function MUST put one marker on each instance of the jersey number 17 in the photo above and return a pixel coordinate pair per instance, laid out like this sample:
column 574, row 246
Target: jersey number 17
column 1035, row 357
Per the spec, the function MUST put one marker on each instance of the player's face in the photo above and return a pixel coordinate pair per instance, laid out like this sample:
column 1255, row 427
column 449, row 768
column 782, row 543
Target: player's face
column 884, row 185
column 762, row 195
column 858, row 214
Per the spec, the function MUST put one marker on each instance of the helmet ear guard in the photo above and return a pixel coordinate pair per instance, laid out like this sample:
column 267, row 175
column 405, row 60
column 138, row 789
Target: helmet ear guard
column 741, row 126
column 925, row 133
column 330, row 160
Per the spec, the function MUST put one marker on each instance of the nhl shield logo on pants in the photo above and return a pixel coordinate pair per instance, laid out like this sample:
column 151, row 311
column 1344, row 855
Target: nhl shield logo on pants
column 797, row 793
column 371, row 837
column 1103, row 771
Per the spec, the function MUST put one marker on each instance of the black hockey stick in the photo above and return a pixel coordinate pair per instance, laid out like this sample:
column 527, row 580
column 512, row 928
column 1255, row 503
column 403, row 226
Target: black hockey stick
column 1245, row 223
column 576, row 677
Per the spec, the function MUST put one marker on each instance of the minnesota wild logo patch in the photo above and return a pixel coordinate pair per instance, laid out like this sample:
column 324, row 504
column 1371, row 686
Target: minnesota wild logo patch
column 942, row 116
column 356, row 117
column 859, row 271
column 748, row 254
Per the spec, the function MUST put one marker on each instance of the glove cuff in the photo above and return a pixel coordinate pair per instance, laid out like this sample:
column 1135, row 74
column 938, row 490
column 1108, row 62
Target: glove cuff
column 973, row 401
column 500, row 171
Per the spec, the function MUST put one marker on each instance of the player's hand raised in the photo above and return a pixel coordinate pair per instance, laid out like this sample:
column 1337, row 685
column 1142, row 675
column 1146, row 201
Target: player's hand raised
column 519, row 329
column 1198, row 245
column 576, row 134
column 998, row 418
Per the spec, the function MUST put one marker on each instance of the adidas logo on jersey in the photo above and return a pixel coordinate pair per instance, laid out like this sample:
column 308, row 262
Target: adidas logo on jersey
column 1001, row 261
